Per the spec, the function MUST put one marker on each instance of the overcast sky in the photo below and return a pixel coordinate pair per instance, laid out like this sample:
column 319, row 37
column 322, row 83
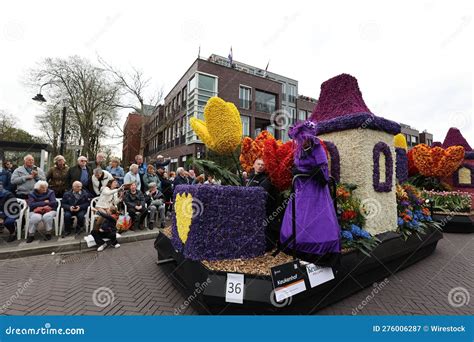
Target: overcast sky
column 413, row 59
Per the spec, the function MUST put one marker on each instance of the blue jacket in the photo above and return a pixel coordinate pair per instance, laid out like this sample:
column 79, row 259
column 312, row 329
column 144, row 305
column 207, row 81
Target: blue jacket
column 117, row 172
column 36, row 200
column 69, row 200
column 5, row 178
column 6, row 196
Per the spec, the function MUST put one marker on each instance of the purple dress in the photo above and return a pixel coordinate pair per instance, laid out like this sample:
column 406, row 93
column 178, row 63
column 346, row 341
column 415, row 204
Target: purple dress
column 317, row 229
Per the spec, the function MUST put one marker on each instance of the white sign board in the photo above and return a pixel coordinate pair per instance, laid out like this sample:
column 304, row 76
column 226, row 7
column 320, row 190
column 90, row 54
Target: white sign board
column 234, row 290
column 318, row 275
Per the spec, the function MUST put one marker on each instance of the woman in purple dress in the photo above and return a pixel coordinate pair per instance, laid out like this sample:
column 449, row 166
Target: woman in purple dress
column 317, row 229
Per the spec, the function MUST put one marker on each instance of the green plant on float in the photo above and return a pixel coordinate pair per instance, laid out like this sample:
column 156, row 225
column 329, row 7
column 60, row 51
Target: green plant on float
column 406, row 232
column 365, row 246
column 429, row 183
column 209, row 167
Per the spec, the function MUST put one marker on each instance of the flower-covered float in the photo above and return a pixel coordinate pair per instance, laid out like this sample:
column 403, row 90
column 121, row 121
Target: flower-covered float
column 219, row 233
column 453, row 205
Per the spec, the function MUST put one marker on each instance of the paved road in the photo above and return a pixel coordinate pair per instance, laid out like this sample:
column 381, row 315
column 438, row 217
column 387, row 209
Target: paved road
column 65, row 284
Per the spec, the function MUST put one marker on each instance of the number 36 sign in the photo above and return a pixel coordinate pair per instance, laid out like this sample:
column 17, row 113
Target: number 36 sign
column 234, row 290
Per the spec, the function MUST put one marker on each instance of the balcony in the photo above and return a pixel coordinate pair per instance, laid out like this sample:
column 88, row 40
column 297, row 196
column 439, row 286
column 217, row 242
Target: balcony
column 264, row 107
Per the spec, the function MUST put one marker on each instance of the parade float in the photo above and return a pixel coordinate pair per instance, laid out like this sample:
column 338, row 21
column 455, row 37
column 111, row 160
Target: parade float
column 454, row 209
column 345, row 221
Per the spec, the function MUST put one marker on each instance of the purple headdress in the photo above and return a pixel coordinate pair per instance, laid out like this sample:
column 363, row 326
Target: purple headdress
column 302, row 132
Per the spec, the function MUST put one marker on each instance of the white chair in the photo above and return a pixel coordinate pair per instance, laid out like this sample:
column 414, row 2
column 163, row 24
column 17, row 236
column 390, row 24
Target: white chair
column 55, row 221
column 92, row 214
column 61, row 220
column 22, row 216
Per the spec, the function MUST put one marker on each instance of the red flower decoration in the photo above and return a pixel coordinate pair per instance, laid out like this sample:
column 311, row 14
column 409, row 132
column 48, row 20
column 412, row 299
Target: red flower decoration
column 278, row 159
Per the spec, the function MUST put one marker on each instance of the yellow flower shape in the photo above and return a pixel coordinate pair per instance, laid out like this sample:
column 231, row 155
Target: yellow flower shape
column 221, row 130
column 183, row 207
column 400, row 141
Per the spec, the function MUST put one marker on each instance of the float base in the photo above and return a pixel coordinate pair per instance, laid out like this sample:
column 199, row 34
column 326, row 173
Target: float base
column 355, row 270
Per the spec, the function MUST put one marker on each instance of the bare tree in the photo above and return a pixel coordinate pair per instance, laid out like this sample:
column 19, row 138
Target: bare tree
column 135, row 85
column 91, row 96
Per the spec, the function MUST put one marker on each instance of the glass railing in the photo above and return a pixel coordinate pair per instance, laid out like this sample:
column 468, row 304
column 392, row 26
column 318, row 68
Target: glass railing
column 264, row 107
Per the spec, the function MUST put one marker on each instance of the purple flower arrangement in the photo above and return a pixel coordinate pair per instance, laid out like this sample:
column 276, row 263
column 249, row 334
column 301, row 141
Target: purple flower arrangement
column 401, row 168
column 386, row 186
column 454, row 137
column 227, row 222
column 335, row 160
column 358, row 120
column 341, row 107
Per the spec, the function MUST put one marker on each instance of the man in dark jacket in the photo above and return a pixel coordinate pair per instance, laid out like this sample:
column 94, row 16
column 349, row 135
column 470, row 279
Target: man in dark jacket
column 180, row 177
column 258, row 177
column 161, row 162
column 9, row 211
column 75, row 203
column 136, row 206
column 99, row 161
column 166, row 189
column 81, row 172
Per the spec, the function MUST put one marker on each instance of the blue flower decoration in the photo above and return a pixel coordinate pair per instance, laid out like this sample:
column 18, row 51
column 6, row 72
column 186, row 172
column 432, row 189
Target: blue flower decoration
column 346, row 235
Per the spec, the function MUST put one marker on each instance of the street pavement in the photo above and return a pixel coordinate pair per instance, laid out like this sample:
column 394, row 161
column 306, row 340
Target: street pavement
column 127, row 281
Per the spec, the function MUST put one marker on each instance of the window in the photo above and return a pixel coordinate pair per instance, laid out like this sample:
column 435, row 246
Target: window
column 192, row 84
column 301, row 115
column 201, row 88
column 382, row 175
column 292, row 93
column 245, row 125
column 207, row 82
column 292, row 115
column 265, row 102
column 283, row 91
column 184, row 92
column 244, row 97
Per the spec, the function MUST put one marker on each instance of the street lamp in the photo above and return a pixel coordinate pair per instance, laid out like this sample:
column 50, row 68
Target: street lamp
column 40, row 98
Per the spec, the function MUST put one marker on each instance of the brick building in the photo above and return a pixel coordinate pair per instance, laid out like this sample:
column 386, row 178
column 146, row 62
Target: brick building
column 414, row 137
column 132, row 132
column 258, row 95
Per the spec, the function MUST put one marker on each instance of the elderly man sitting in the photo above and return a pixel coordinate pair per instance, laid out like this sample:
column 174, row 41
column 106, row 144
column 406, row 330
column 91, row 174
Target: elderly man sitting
column 43, row 205
column 75, row 203
column 156, row 205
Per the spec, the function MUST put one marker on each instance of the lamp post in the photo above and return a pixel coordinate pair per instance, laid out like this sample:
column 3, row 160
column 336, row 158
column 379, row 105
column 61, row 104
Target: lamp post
column 40, row 98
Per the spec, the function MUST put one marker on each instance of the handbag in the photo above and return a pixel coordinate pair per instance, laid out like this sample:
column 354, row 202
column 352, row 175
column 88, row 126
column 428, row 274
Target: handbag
column 42, row 210
column 123, row 223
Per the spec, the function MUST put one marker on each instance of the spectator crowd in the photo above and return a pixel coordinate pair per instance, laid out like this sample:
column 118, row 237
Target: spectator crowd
column 144, row 193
